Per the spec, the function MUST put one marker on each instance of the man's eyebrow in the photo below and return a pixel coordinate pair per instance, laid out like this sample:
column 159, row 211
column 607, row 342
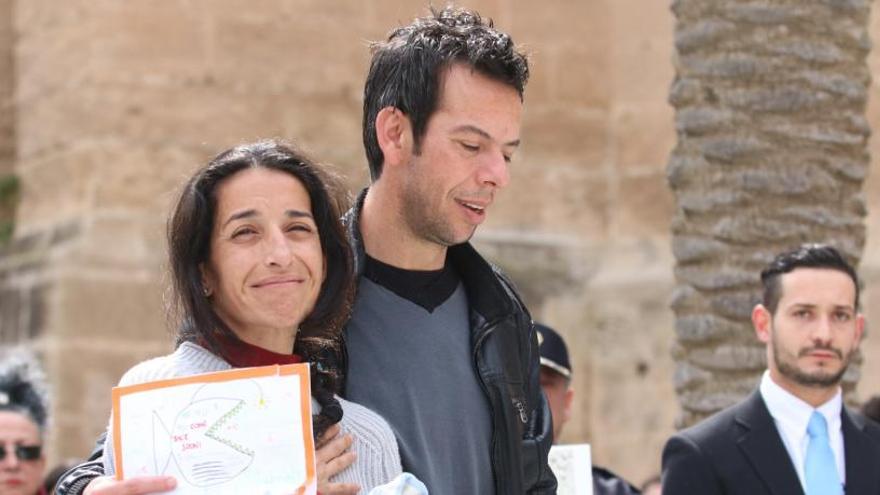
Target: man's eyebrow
column 476, row 130
column 805, row 305
column 252, row 212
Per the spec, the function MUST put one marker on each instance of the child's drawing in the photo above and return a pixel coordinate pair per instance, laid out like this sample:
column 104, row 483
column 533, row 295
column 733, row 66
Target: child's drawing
column 246, row 430
column 207, row 441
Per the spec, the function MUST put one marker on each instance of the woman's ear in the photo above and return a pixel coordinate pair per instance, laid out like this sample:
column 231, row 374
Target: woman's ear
column 394, row 134
column 207, row 283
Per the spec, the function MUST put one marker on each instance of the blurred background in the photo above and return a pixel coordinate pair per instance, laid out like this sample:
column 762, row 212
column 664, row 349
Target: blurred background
column 669, row 150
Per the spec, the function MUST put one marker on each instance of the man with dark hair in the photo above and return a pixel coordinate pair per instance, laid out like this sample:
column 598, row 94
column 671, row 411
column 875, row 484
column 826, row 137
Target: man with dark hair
column 792, row 435
column 556, row 383
column 439, row 343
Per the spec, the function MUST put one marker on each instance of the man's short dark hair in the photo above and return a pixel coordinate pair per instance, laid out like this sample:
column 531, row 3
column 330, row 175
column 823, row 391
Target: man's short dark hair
column 407, row 69
column 805, row 256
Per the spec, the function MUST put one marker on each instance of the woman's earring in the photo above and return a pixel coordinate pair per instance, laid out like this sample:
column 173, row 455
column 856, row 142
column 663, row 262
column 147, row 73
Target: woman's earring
column 206, row 291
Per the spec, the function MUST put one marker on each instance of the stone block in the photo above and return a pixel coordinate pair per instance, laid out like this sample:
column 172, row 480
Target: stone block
column 84, row 370
column 732, row 358
column 643, row 136
column 135, row 243
column 138, row 42
column 704, row 328
column 644, row 206
column 631, row 368
column 145, row 179
column 202, row 118
column 541, row 88
column 88, row 305
column 555, row 137
column 261, row 43
column 328, row 127
column 641, row 47
column 385, row 15
column 55, row 187
column 566, row 202
column 580, row 75
column 538, row 24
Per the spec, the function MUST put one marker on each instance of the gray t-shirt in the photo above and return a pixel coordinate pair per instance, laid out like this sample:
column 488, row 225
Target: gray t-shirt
column 416, row 369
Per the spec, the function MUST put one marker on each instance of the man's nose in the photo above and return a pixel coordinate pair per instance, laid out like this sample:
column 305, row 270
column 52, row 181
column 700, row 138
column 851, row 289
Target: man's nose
column 822, row 331
column 495, row 170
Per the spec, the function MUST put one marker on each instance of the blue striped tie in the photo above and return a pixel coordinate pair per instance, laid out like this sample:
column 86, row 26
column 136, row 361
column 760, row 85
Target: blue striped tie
column 820, row 468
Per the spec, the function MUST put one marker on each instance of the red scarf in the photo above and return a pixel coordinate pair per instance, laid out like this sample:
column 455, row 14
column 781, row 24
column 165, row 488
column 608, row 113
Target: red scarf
column 240, row 354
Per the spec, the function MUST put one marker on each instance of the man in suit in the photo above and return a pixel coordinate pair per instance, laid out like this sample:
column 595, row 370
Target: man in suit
column 556, row 384
column 792, row 435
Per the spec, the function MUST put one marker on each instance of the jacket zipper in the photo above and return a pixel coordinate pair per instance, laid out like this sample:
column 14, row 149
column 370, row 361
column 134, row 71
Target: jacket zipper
column 482, row 337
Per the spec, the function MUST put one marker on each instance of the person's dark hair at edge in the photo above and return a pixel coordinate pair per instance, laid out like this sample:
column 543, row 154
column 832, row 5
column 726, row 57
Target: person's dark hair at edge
column 407, row 70
column 805, row 256
column 189, row 241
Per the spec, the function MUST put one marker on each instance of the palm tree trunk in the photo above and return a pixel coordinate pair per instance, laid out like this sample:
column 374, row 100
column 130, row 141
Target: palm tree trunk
column 770, row 101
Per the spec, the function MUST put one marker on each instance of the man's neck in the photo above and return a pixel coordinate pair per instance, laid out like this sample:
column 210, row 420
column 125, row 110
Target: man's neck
column 388, row 239
column 814, row 396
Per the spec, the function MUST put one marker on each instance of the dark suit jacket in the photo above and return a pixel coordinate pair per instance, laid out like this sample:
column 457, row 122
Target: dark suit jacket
column 739, row 452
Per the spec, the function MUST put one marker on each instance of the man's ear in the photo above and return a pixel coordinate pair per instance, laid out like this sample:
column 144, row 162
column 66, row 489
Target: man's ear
column 860, row 328
column 569, row 398
column 762, row 320
column 394, row 134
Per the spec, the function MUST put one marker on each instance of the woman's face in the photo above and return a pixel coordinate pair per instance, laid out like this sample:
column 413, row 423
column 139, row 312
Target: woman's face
column 19, row 476
column 266, row 267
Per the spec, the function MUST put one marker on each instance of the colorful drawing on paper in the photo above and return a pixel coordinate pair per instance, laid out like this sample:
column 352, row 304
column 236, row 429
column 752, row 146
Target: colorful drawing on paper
column 206, row 441
column 239, row 431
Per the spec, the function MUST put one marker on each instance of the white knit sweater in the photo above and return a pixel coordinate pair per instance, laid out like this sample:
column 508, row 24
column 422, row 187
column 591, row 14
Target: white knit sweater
column 377, row 459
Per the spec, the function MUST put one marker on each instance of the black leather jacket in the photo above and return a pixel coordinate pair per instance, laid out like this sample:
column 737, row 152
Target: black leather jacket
column 505, row 354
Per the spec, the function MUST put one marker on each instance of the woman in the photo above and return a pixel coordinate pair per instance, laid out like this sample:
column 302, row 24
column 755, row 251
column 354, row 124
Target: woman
column 23, row 406
column 261, row 275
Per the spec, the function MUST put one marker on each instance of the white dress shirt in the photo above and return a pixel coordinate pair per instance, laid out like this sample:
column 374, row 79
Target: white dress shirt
column 792, row 415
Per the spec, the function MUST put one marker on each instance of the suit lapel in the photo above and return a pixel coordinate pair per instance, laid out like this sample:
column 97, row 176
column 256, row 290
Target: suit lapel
column 860, row 456
column 762, row 445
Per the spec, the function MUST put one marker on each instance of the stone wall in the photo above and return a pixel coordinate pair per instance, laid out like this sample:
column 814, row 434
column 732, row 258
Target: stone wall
column 112, row 116
column 7, row 82
column 771, row 153
column 117, row 101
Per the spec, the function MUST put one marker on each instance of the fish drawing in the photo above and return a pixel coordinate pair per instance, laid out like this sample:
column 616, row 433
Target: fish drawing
column 206, row 441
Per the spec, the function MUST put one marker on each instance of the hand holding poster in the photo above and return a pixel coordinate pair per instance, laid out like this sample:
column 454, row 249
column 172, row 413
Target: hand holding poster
column 246, row 430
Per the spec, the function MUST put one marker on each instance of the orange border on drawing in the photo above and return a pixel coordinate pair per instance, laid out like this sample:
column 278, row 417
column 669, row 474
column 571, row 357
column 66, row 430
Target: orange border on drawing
column 299, row 369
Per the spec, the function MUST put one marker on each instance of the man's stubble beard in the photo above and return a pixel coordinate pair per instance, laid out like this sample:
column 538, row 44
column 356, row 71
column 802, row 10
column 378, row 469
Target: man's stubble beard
column 818, row 379
column 423, row 220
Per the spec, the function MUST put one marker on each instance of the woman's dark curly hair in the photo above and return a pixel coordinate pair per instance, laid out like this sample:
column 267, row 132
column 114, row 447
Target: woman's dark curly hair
column 189, row 240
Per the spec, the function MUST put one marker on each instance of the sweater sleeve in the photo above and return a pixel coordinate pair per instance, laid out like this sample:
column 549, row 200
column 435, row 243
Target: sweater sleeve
column 377, row 458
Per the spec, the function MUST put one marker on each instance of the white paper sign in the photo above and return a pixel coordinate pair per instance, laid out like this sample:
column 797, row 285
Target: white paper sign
column 573, row 468
column 240, row 431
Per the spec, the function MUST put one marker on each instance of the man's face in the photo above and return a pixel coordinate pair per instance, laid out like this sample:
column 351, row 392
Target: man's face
column 814, row 331
column 448, row 187
column 559, row 395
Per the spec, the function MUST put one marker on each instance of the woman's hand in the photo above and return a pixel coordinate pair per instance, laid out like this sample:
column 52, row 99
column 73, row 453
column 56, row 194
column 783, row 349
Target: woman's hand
column 138, row 485
column 332, row 457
